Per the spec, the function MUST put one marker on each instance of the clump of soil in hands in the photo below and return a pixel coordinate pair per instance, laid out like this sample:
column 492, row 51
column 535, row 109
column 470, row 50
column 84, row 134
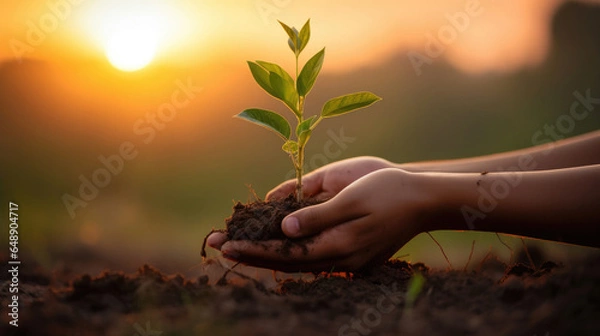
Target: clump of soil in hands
column 261, row 221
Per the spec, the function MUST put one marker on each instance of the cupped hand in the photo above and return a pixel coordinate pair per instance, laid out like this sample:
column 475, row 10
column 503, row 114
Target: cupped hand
column 363, row 225
column 329, row 180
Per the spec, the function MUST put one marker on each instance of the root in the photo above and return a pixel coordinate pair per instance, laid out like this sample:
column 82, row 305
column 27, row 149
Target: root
column 441, row 249
column 194, row 266
column 470, row 256
column 528, row 255
column 203, row 252
column 230, row 270
column 252, row 193
column 223, row 281
column 512, row 253
column 486, row 257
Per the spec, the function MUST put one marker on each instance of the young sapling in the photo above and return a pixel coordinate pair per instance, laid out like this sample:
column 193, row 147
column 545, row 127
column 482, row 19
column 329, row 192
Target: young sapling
column 292, row 91
column 262, row 220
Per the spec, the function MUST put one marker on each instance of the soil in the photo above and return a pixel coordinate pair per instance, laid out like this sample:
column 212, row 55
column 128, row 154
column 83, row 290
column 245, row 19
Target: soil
column 493, row 299
column 261, row 220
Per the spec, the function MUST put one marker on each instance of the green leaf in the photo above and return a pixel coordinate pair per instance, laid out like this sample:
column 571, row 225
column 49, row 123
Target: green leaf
column 261, row 76
column 276, row 81
column 290, row 147
column 284, row 90
column 348, row 103
column 305, row 125
column 267, row 119
column 304, row 36
column 272, row 67
column 303, row 130
column 309, row 73
column 293, row 35
column 415, row 286
column 295, row 48
column 282, row 83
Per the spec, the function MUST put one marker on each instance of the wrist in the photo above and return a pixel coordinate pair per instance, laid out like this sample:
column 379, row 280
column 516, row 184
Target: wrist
column 441, row 198
column 409, row 167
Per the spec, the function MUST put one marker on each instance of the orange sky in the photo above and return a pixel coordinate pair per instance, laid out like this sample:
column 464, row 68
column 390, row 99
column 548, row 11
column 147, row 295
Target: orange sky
column 503, row 35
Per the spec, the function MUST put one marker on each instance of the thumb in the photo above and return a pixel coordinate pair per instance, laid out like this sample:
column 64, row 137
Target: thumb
column 282, row 190
column 316, row 218
column 311, row 185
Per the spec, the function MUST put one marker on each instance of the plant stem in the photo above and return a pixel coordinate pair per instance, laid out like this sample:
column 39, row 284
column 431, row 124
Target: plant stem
column 300, row 159
column 296, row 68
column 299, row 168
column 299, row 164
column 316, row 123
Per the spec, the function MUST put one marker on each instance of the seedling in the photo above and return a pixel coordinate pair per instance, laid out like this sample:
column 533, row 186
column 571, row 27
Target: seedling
column 292, row 91
column 414, row 288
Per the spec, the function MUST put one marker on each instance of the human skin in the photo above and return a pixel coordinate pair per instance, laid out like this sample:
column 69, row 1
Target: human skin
column 375, row 206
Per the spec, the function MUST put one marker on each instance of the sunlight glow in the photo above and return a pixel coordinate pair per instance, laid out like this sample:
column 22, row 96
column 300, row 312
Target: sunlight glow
column 132, row 33
column 132, row 46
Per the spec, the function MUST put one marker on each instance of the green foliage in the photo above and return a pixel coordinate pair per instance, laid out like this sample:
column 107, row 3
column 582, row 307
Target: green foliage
column 414, row 288
column 309, row 73
column 290, row 147
column 348, row 103
column 292, row 91
column 269, row 120
column 303, row 130
column 276, row 81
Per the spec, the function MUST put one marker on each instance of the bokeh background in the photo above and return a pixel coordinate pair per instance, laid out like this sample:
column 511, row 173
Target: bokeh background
column 503, row 75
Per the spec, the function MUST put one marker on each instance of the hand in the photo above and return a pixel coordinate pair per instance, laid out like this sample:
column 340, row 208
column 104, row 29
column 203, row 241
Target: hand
column 363, row 225
column 329, row 180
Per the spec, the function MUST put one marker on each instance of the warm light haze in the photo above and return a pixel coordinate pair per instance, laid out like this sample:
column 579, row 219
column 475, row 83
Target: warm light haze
column 119, row 144
column 154, row 84
column 132, row 33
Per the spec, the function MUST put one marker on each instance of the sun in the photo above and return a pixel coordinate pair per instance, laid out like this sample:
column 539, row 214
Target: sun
column 131, row 48
column 131, row 41
column 133, row 34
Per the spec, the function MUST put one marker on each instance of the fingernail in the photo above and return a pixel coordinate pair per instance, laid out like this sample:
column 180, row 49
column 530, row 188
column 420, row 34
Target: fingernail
column 291, row 226
column 231, row 254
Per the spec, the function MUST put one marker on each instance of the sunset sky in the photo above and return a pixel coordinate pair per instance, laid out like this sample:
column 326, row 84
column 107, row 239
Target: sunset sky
column 502, row 35
column 78, row 78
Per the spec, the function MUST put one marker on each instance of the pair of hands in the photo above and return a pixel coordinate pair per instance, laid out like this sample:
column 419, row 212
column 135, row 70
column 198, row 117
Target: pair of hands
column 372, row 211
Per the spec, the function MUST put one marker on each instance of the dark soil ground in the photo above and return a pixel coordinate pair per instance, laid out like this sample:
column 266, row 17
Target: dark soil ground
column 491, row 300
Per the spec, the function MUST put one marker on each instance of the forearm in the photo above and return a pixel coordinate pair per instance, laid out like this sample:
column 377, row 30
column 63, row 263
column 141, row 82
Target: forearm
column 572, row 152
column 561, row 205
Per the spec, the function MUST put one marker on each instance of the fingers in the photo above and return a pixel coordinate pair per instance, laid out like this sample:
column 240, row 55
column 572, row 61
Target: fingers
column 323, row 254
column 311, row 185
column 333, row 249
column 317, row 218
column 282, row 190
column 216, row 240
